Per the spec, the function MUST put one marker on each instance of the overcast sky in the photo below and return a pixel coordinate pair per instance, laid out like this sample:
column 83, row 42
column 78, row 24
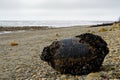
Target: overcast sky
column 59, row 9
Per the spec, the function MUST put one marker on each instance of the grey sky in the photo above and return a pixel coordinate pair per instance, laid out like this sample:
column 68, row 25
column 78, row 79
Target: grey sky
column 59, row 9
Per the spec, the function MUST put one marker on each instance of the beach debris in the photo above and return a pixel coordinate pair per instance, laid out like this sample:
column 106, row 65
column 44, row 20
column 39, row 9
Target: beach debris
column 102, row 30
column 57, row 35
column 14, row 43
column 89, row 31
column 79, row 55
column 116, row 26
column 111, row 29
column 92, row 31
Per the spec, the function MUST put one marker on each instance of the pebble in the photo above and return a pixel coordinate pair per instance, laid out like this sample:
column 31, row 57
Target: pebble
column 10, row 49
column 63, row 76
column 13, row 43
column 92, row 76
column 18, row 70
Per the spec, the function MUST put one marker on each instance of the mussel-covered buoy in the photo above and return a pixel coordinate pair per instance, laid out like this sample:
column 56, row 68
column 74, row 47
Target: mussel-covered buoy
column 79, row 55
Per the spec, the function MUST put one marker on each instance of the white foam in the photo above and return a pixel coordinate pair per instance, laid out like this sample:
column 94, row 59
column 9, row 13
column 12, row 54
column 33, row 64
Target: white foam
column 8, row 32
column 5, row 32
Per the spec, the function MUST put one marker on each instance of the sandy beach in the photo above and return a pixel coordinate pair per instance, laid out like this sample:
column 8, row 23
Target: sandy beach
column 19, row 53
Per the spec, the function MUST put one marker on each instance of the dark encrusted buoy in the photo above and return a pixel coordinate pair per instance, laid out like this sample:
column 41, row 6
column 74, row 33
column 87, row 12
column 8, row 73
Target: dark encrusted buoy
column 79, row 55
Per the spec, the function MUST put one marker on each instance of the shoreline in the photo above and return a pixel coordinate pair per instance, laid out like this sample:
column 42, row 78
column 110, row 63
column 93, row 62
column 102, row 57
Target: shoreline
column 23, row 28
column 17, row 28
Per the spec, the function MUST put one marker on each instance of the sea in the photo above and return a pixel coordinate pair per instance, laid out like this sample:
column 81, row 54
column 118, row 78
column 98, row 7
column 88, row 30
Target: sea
column 48, row 23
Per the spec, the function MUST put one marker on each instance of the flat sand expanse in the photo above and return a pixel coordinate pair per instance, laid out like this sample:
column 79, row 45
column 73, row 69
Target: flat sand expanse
column 22, row 62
